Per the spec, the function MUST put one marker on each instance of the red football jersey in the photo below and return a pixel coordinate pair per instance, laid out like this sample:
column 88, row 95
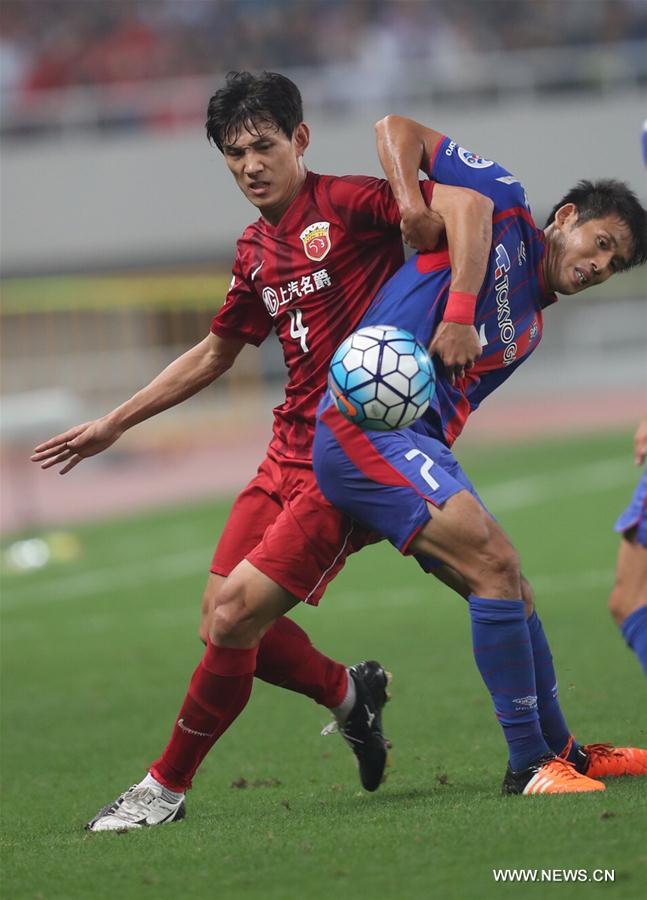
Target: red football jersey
column 311, row 277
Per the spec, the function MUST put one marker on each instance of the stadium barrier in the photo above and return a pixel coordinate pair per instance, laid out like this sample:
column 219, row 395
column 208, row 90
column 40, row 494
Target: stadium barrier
column 95, row 340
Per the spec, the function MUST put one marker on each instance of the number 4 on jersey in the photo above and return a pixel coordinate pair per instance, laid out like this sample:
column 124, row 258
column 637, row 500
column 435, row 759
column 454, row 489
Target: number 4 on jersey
column 298, row 330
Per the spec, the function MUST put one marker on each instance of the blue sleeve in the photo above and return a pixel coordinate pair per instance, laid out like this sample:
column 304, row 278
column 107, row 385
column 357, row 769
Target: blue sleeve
column 460, row 167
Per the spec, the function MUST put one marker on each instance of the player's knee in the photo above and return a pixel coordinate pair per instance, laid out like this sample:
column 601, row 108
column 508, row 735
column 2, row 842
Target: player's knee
column 204, row 627
column 498, row 555
column 206, row 612
column 618, row 605
column 229, row 623
column 528, row 596
column 630, row 583
column 210, row 599
column 487, row 559
column 231, row 620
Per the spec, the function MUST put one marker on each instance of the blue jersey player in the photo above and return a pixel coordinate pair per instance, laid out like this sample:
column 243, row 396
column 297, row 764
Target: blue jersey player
column 407, row 485
column 628, row 600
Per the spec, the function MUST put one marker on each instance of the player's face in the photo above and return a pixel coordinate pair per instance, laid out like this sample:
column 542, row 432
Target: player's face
column 587, row 253
column 267, row 165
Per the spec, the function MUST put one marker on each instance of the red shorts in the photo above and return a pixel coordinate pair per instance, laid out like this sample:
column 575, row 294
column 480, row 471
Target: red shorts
column 283, row 525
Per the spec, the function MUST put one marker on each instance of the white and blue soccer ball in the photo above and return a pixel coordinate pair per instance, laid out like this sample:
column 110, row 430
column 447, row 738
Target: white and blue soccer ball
column 381, row 378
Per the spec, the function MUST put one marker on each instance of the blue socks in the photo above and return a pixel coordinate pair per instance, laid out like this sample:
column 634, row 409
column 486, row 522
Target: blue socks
column 634, row 631
column 504, row 656
column 553, row 723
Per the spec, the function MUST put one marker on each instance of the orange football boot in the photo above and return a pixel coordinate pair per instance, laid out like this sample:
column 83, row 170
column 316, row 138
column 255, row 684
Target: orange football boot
column 607, row 761
column 549, row 775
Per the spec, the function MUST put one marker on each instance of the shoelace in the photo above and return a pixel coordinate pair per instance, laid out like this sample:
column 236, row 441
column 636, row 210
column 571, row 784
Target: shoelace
column 334, row 727
column 568, row 768
column 136, row 801
column 330, row 728
column 594, row 751
column 567, row 748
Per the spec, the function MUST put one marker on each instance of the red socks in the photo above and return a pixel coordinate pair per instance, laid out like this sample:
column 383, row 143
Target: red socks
column 218, row 692
column 287, row 658
column 221, row 686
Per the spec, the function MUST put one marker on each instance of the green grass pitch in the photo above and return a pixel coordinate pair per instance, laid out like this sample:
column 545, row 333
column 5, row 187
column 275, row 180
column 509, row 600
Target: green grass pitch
column 97, row 654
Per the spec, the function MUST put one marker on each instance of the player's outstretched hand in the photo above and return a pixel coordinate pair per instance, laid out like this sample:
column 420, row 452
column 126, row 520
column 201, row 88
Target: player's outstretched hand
column 421, row 228
column 640, row 443
column 76, row 444
column 458, row 346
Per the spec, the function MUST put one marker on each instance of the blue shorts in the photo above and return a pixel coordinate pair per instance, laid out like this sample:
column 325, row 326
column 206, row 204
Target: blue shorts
column 384, row 480
column 635, row 515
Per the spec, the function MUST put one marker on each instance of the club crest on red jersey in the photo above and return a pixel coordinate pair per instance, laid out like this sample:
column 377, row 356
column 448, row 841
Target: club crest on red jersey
column 316, row 240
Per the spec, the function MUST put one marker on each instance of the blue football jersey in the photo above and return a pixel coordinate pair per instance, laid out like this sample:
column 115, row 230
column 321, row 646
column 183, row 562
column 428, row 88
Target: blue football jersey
column 509, row 306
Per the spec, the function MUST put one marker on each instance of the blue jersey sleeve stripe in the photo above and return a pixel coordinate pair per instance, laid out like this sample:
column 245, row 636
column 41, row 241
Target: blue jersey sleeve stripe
column 512, row 212
column 430, row 167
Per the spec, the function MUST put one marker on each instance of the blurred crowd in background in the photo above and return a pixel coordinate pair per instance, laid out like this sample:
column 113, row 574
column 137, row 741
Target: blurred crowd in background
column 58, row 43
column 50, row 45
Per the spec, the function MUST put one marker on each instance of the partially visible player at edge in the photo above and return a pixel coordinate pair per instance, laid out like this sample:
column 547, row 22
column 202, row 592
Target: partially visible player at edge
column 407, row 486
column 307, row 268
column 628, row 599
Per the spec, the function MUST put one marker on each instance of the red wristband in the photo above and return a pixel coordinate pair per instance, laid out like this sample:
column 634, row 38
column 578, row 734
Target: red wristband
column 460, row 308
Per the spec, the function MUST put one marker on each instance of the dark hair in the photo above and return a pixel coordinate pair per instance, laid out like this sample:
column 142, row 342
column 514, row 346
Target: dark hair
column 608, row 197
column 248, row 100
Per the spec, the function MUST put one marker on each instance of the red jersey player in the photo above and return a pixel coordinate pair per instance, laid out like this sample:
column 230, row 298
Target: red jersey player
column 307, row 268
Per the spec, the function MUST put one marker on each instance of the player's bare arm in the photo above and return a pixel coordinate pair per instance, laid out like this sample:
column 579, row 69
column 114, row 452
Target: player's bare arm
column 404, row 147
column 467, row 216
column 184, row 377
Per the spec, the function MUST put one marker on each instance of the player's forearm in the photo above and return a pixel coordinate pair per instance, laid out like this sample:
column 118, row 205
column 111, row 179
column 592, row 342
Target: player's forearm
column 184, row 377
column 404, row 147
column 468, row 224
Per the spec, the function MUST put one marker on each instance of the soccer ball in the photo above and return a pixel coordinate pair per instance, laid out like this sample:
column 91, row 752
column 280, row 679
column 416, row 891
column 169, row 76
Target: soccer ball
column 381, row 378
